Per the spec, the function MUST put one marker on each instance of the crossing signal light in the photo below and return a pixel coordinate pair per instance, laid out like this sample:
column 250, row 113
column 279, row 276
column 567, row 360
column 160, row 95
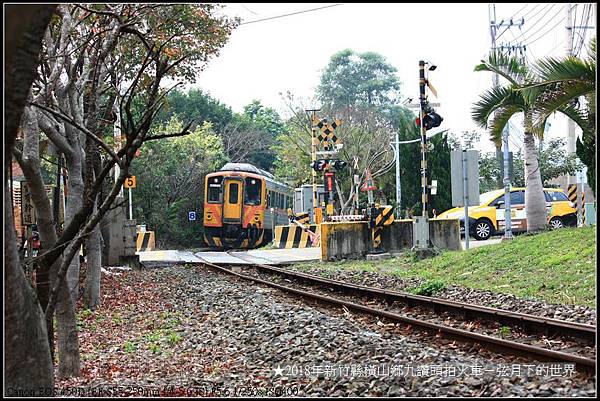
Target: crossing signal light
column 431, row 120
column 338, row 164
column 319, row 165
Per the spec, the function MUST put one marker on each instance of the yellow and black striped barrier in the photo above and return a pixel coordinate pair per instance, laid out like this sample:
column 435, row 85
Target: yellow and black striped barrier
column 381, row 216
column 572, row 193
column 294, row 236
column 302, row 217
column 145, row 241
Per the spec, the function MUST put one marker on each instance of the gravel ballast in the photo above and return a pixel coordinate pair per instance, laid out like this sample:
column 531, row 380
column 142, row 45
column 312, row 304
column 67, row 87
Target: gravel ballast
column 242, row 339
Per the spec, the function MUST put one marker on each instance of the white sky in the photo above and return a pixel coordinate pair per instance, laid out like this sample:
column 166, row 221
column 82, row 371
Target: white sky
column 265, row 58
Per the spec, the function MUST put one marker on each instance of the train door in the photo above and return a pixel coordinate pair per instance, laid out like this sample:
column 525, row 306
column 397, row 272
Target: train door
column 232, row 201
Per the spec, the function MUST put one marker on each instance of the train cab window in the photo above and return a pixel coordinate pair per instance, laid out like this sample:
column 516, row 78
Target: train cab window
column 215, row 190
column 234, row 188
column 253, row 190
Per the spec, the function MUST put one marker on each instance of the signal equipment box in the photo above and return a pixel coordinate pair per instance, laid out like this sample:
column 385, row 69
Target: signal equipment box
column 303, row 199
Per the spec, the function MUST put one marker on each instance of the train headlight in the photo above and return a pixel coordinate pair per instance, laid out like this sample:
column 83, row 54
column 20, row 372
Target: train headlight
column 257, row 217
column 209, row 216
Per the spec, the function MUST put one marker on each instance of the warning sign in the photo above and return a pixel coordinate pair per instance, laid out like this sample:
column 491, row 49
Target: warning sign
column 368, row 185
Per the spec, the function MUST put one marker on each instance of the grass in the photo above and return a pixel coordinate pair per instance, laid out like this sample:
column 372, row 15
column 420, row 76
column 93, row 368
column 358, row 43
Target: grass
column 554, row 266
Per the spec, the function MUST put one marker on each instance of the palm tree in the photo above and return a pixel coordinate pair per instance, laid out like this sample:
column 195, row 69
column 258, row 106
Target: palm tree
column 498, row 105
column 559, row 84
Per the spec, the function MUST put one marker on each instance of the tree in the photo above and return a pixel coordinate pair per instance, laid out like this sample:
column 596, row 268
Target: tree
column 562, row 81
column 553, row 162
column 358, row 78
column 249, row 136
column 500, row 104
column 172, row 172
column 197, row 106
column 90, row 52
column 28, row 363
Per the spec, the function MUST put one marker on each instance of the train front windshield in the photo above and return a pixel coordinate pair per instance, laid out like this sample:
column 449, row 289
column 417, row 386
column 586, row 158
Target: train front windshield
column 215, row 189
column 253, row 191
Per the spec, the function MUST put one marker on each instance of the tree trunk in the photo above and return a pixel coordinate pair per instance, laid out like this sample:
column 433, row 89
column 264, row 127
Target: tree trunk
column 91, row 296
column 28, row 362
column 535, row 202
column 68, row 342
column 74, row 202
column 68, row 353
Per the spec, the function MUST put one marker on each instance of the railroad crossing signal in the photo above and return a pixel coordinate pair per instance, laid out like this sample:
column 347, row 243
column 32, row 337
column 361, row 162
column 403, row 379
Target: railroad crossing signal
column 328, row 131
column 130, row 182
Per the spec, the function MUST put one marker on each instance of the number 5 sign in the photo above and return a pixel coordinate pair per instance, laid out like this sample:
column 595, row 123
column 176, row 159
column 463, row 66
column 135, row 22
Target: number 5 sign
column 129, row 182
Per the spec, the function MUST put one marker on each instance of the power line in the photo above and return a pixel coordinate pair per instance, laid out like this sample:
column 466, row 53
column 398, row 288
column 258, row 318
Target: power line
column 544, row 26
column 522, row 34
column 522, row 8
column 587, row 11
column 530, row 11
column 287, row 15
column 538, row 21
column 545, row 33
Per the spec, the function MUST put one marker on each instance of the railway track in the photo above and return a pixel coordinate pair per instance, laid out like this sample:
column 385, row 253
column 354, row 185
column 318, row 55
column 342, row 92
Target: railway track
column 528, row 323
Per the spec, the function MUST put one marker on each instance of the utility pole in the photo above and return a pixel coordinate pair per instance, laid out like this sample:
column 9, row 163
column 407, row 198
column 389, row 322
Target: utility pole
column 398, row 183
column 570, row 123
column 494, row 25
column 313, row 158
column 422, row 100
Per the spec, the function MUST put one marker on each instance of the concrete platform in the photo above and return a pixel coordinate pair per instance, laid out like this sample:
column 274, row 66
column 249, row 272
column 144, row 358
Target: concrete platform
column 169, row 256
column 280, row 256
column 264, row 256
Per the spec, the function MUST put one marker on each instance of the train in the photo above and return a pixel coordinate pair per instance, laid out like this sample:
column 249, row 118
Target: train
column 242, row 205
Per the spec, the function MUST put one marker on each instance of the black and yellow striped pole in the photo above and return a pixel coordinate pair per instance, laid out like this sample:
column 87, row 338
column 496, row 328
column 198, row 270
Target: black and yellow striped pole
column 313, row 158
column 422, row 102
column 572, row 193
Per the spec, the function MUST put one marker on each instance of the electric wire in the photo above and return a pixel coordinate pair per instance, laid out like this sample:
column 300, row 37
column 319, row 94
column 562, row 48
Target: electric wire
column 545, row 33
column 544, row 26
column 522, row 8
column 289, row 14
column 530, row 11
column 522, row 34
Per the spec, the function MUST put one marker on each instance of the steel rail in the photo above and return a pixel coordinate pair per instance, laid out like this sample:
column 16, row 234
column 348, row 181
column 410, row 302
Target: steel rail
column 529, row 323
column 492, row 343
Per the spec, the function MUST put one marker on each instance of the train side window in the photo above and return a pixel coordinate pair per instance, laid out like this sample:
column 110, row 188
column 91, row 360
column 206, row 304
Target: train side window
column 234, row 188
column 215, row 190
column 253, row 190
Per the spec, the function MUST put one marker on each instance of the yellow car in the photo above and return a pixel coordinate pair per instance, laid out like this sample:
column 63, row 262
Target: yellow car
column 488, row 218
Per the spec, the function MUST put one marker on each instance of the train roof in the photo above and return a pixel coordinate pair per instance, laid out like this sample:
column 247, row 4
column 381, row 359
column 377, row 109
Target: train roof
column 249, row 168
column 246, row 167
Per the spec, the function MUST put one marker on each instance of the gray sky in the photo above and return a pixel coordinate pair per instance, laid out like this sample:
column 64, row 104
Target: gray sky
column 267, row 57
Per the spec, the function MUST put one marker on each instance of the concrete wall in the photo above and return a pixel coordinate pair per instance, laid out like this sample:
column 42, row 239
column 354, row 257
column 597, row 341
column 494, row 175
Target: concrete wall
column 445, row 234
column 352, row 240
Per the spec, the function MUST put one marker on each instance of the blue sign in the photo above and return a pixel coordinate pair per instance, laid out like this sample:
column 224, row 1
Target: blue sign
column 192, row 216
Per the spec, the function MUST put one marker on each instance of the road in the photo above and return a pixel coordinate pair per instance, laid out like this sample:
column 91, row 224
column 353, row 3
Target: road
column 473, row 243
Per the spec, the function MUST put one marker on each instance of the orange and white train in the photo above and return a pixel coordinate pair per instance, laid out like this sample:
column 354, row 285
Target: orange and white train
column 242, row 205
